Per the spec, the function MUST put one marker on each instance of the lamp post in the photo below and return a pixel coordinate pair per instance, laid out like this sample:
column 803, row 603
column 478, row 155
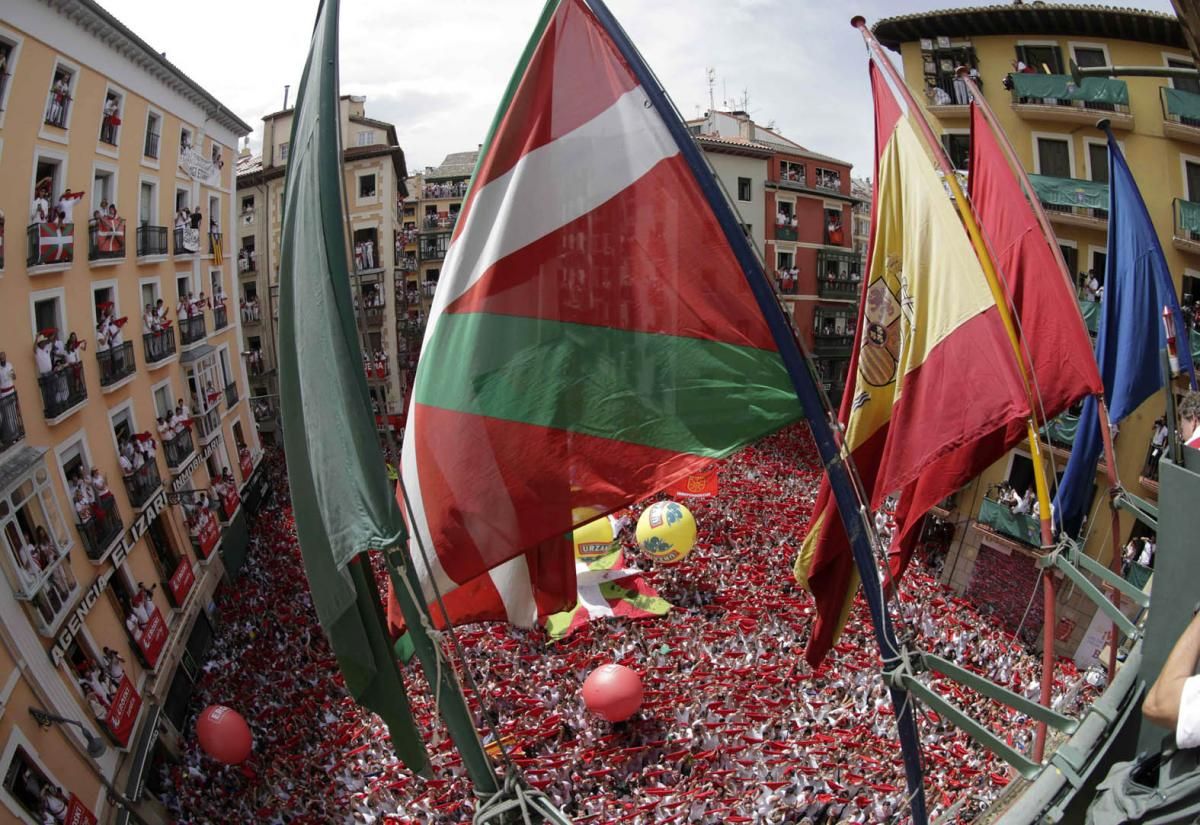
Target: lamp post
column 95, row 749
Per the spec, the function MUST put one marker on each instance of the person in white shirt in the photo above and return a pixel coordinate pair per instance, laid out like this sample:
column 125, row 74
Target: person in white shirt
column 1026, row 503
column 42, row 357
column 66, row 205
column 1173, row 702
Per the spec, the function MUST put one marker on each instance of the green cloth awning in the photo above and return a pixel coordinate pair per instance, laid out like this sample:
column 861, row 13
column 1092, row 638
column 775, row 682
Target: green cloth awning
column 1020, row 527
column 1062, row 430
column 1091, row 315
column 1188, row 215
column 1062, row 87
column 1182, row 104
column 1070, row 192
column 1138, row 574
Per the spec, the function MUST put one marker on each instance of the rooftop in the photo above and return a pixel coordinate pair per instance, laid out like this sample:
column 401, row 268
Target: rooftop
column 455, row 165
column 1036, row 18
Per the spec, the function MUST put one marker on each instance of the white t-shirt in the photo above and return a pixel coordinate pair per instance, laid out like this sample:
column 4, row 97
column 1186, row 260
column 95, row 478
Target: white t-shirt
column 1187, row 730
column 41, row 357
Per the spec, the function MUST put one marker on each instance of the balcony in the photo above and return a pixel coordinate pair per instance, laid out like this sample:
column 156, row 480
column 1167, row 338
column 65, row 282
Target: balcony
column 247, row 261
column 56, row 110
column 106, row 239
column 433, row 223
column 255, row 363
column 208, row 423
column 432, row 252
column 34, row 571
column 192, row 330
column 1020, row 527
column 374, row 315
column 231, row 395
column 1186, row 236
column 407, row 264
column 1181, row 114
column 151, row 241
column 220, row 317
column 179, row 449
column 1061, row 431
column 116, row 363
column 62, row 390
column 50, row 245
column 377, row 370
column 101, row 529
column 142, row 484
column 839, row 289
column 264, row 410
column 150, row 149
column 948, row 97
column 785, row 233
column 831, row 345
column 12, row 427
column 187, row 241
column 1073, row 202
column 159, row 346
column 1056, row 98
column 445, row 190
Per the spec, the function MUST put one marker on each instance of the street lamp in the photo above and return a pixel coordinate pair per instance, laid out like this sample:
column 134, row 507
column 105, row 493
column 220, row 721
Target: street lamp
column 95, row 749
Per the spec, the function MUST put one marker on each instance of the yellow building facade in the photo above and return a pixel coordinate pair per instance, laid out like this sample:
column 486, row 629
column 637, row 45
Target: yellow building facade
column 106, row 580
column 1051, row 124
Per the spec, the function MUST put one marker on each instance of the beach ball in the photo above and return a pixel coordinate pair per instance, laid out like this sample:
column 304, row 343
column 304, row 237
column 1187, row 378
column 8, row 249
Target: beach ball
column 594, row 539
column 613, row 692
column 666, row 532
column 224, row 734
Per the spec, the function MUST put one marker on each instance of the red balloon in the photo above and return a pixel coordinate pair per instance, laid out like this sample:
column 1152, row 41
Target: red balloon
column 224, row 734
column 613, row 692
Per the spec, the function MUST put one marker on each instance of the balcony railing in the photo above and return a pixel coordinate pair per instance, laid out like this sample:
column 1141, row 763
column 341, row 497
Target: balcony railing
column 432, row 252
column 1021, row 527
column 1061, row 430
column 785, row 233
column 376, row 370
column 263, row 410
column 187, row 241
column 374, row 315
column 178, row 449
column 50, row 243
column 62, row 389
column 116, row 363
column 12, row 426
column 220, row 317
column 192, row 330
column 839, row 288
column 56, row 110
column 445, row 190
column 99, row 531
column 142, row 483
column 106, row 239
column 407, row 264
column 231, row 394
column 1072, row 196
column 151, row 240
column 831, row 345
column 1187, row 222
column 150, row 149
column 208, row 422
column 159, row 345
column 246, row 260
column 1094, row 94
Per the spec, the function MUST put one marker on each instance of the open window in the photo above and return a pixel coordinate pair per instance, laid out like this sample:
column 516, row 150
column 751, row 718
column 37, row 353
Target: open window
column 110, row 117
column 62, row 89
column 32, row 790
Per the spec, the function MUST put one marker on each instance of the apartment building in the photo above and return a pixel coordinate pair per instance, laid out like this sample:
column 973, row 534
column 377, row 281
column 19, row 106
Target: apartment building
column 128, row 453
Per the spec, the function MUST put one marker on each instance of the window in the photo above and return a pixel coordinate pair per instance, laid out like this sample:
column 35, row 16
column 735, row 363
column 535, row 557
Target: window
column 214, row 213
column 943, row 87
column 110, row 118
column 59, row 102
column 47, row 314
column 1098, row 161
column 1071, row 256
column 366, row 186
column 1090, row 56
column 834, row 234
column 828, row 178
column 7, row 55
column 282, row 154
column 1186, row 84
column 1054, row 157
column 366, row 137
column 1042, row 58
column 958, row 147
column 147, row 203
column 49, row 184
column 745, row 193
column 153, row 129
column 247, row 204
column 1191, row 173
column 104, row 190
column 185, row 139
column 183, row 199
column 792, row 172
column 1099, row 265
column 26, row 784
column 164, row 404
column 36, row 540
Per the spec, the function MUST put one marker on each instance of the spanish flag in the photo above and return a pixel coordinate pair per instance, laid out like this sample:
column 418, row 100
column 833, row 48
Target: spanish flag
column 933, row 367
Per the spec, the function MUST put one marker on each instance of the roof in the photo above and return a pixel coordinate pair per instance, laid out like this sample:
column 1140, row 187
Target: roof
column 455, row 165
column 734, row 146
column 249, row 165
column 93, row 18
column 1036, row 18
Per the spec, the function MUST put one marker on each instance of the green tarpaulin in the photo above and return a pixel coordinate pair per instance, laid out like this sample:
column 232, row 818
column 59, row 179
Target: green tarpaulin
column 1007, row 523
column 1194, row 337
column 1061, row 87
column 1138, row 574
column 1184, row 105
column 343, row 502
column 1061, row 430
column 1070, row 192
column 1188, row 216
column 1091, row 315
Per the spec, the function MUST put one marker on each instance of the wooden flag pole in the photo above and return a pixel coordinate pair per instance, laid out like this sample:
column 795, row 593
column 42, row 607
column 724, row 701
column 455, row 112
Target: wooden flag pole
column 986, row 260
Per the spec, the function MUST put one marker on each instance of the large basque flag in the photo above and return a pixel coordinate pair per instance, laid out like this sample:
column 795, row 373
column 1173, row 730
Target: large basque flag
column 933, row 368
column 1137, row 287
column 593, row 338
column 341, row 496
column 1055, row 342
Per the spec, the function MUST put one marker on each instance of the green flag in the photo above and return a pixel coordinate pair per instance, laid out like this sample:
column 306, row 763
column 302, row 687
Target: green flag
column 342, row 499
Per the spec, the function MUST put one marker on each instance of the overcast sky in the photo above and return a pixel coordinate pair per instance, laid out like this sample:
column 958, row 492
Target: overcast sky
column 437, row 69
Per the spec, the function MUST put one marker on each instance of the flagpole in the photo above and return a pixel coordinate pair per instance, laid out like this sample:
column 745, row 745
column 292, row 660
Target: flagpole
column 983, row 251
column 843, row 478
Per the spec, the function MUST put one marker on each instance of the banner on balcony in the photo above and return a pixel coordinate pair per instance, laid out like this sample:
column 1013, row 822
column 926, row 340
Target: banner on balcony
column 199, row 167
column 189, row 239
column 1070, row 192
column 78, row 813
column 1062, row 87
column 1189, row 216
column 698, row 485
column 123, row 711
column 208, row 532
column 154, row 636
column 181, row 581
column 229, row 501
column 110, row 235
column 56, row 243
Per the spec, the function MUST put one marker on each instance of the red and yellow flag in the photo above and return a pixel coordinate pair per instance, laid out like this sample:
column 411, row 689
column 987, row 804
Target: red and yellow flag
column 933, row 367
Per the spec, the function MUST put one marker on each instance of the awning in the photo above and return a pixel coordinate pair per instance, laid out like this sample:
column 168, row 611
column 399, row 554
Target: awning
column 197, row 353
column 1070, row 192
column 143, row 749
column 1181, row 103
column 1062, row 87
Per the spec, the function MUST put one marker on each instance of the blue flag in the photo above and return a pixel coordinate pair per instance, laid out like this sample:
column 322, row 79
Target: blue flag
column 1137, row 286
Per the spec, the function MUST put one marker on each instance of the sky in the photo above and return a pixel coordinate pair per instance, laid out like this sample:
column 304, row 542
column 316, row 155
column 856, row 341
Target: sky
column 437, row 70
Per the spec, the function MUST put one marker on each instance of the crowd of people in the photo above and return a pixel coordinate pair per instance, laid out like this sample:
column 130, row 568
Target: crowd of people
column 251, row 314
column 445, row 190
column 734, row 726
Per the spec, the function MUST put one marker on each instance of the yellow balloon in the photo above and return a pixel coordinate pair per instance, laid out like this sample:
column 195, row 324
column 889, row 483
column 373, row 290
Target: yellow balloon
column 666, row 532
column 594, row 539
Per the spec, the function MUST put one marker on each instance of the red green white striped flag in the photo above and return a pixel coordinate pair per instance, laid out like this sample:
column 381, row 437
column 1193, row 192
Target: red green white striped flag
column 593, row 337
column 607, row 588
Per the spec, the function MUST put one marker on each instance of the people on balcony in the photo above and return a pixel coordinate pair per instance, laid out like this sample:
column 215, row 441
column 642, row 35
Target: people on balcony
column 245, row 259
column 1158, row 445
column 786, row 219
column 788, row 278
column 110, row 120
column 364, row 254
column 56, row 378
column 9, row 414
column 187, row 224
column 254, row 359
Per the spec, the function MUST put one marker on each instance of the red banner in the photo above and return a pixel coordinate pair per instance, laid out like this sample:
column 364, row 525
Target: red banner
column 78, row 813
column 246, row 461
column 229, row 501
column 697, row 485
column 210, row 533
column 154, row 636
column 123, row 711
column 182, row 580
